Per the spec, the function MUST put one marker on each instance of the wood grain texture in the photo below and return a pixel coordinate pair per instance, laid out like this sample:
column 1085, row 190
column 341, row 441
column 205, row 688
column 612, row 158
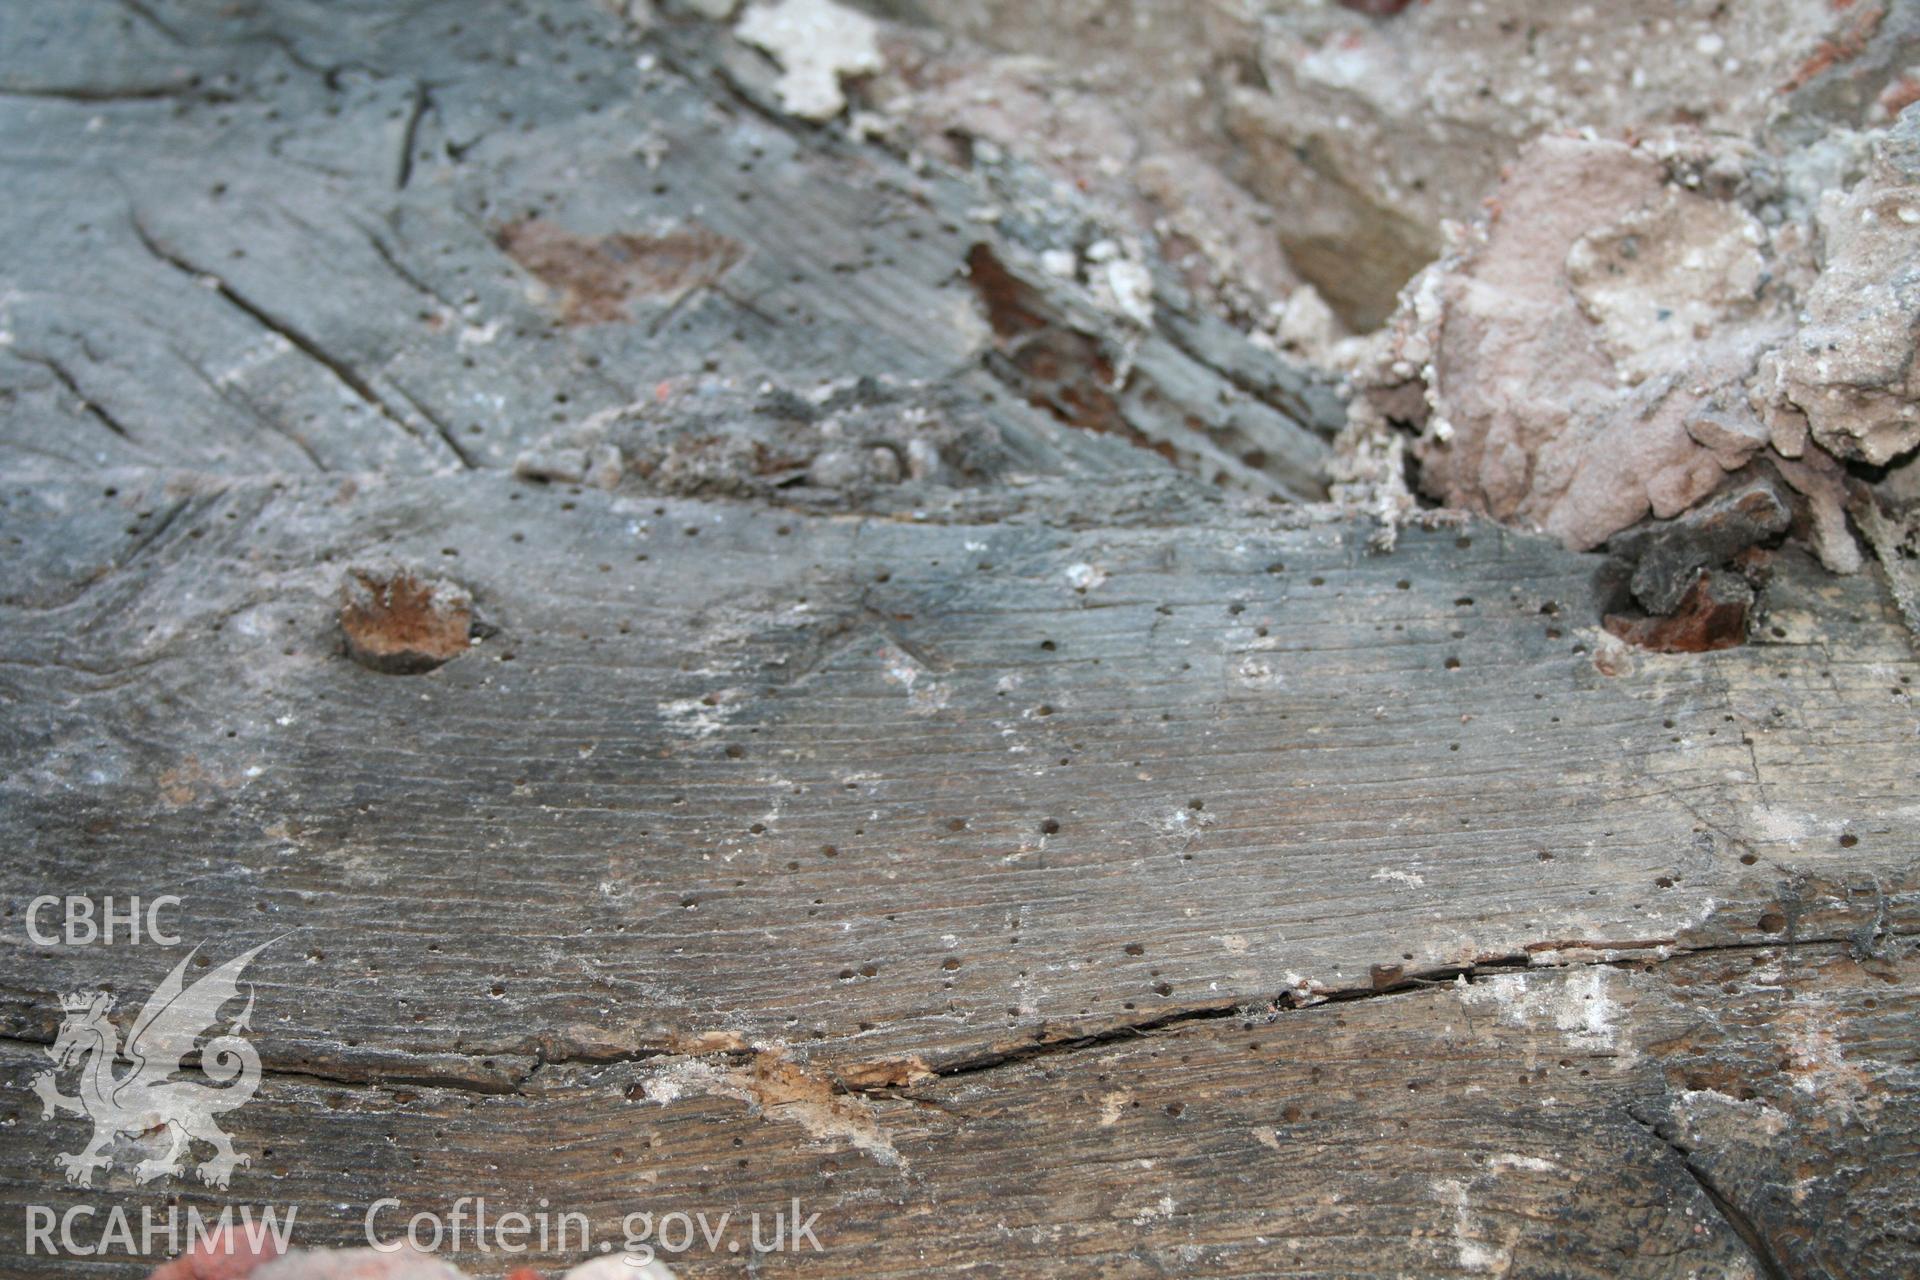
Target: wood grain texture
column 165, row 305
column 1739, row 1113
column 604, row 833
column 1271, row 768
column 1040, row 853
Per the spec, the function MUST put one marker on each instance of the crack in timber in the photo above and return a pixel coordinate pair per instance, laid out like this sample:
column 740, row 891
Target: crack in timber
column 1736, row 1218
column 342, row 372
column 518, row 1069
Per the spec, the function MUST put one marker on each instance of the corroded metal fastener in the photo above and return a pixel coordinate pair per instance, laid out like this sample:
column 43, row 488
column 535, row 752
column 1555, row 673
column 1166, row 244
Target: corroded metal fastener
column 402, row 624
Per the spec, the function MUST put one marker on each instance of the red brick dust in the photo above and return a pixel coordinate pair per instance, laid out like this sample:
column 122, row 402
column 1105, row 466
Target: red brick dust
column 1843, row 46
column 223, row 1255
column 1060, row 369
column 596, row 276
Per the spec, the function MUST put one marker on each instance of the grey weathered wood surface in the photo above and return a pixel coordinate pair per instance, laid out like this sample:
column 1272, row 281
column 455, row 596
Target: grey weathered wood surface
column 1647, row 1121
column 869, row 847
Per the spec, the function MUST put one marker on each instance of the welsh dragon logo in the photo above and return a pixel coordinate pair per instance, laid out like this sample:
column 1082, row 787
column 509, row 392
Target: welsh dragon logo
column 146, row 1098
